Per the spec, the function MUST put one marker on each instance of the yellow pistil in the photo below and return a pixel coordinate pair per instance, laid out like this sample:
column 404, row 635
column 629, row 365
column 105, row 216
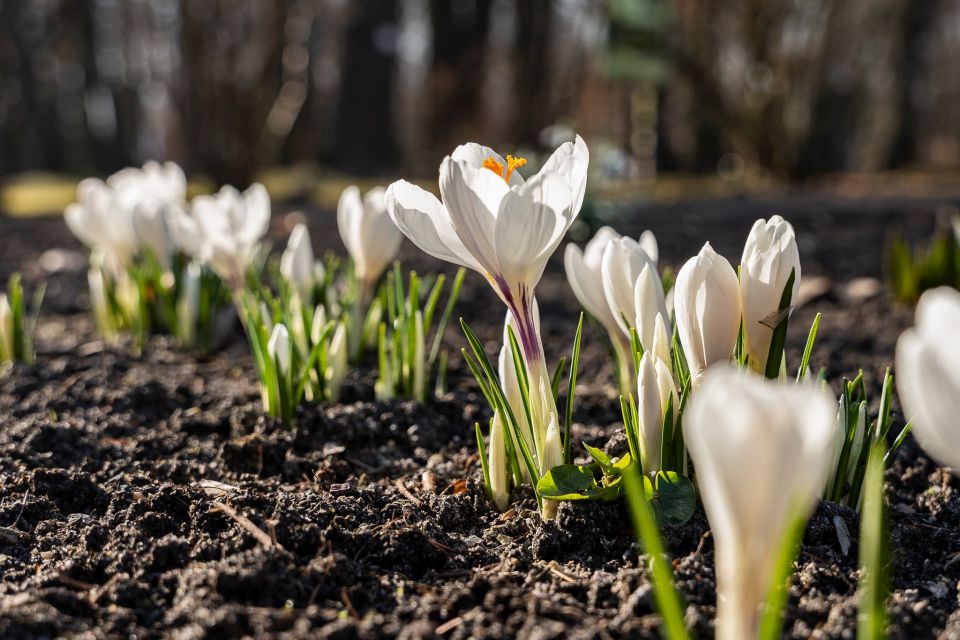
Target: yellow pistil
column 513, row 162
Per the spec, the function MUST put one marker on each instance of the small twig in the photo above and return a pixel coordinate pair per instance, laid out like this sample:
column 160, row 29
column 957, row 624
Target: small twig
column 74, row 583
column 23, row 504
column 441, row 546
column 345, row 599
column 247, row 525
column 555, row 570
column 449, row 625
column 98, row 592
column 406, row 492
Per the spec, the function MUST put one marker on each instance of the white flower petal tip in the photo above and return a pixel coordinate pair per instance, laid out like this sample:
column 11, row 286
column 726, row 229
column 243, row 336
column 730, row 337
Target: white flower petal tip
column 297, row 265
column 752, row 500
column 278, row 347
column 367, row 232
column 928, row 378
column 623, row 262
column 769, row 257
column 707, row 309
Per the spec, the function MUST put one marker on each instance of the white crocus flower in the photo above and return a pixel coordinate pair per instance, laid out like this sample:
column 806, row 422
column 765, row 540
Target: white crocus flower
column 278, row 348
column 623, row 262
column 928, row 378
column 648, row 242
column 583, row 269
column 224, row 230
column 336, row 371
column 128, row 212
column 7, row 347
column 662, row 342
column 365, row 228
column 504, row 227
column 297, row 265
column 102, row 226
column 768, row 258
column 188, row 304
column 761, row 450
column 499, row 469
column 707, row 309
column 650, row 305
column 655, row 390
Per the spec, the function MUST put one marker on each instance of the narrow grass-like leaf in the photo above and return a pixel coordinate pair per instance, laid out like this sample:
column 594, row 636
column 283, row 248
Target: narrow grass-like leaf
column 779, row 339
column 871, row 619
column 572, row 390
column 665, row 594
column 445, row 317
column 484, row 464
column 557, row 377
column 808, row 348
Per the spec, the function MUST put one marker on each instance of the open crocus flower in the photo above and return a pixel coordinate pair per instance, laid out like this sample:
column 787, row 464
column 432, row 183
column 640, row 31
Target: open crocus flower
column 224, row 230
column 297, row 264
column 761, row 450
column 707, row 306
column 583, row 269
column 365, row 228
column 495, row 222
column 928, row 378
column 769, row 257
column 506, row 228
column 129, row 212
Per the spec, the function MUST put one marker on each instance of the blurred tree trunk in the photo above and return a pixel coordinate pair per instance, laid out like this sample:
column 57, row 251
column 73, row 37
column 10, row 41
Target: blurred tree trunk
column 364, row 141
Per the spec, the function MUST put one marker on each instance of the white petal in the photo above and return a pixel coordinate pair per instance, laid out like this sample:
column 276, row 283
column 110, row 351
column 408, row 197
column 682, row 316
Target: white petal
column 472, row 199
column 530, row 224
column 648, row 242
column 422, row 218
column 587, row 286
column 649, row 304
column 571, row 161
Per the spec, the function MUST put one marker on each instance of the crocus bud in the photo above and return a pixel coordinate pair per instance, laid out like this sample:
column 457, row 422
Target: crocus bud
column 278, row 348
column 768, row 259
column 648, row 242
column 98, row 301
column 928, row 378
column 337, row 354
column 371, row 238
column 7, row 350
column 188, row 304
column 297, row 265
column 707, row 305
column 761, row 450
column 623, row 262
column 585, row 278
column 499, row 470
column 649, row 304
column 318, row 324
column 662, row 342
column 655, row 389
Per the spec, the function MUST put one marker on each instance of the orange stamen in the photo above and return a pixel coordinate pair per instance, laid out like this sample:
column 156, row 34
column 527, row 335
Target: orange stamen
column 495, row 166
column 513, row 163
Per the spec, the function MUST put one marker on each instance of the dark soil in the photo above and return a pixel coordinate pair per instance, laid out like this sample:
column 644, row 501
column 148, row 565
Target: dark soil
column 151, row 496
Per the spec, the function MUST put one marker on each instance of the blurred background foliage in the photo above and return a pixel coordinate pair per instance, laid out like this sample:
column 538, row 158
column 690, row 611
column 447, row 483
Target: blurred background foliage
column 233, row 89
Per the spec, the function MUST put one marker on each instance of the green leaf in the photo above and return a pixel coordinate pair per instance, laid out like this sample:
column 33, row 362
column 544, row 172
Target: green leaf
column 602, row 458
column 672, row 497
column 482, row 452
column 574, row 482
column 871, row 620
column 779, row 339
column 572, row 390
